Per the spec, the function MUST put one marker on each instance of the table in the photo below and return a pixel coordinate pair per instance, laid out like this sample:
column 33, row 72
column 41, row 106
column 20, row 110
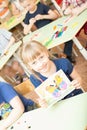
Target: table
column 69, row 114
column 13, row 21
column 10, row 52
column 59, row 31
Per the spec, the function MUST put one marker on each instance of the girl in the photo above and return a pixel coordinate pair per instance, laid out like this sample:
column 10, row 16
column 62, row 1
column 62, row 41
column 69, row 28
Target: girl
column 37, row 16
column 36, row 57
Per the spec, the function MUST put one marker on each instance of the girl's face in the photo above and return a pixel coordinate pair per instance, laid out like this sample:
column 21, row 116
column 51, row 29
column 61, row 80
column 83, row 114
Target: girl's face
column 40, row 64
column 29, row 5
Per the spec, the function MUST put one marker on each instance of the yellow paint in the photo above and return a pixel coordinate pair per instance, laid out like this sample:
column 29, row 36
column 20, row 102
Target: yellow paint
column 54, row 28
column 58, row 79
column 74, row 24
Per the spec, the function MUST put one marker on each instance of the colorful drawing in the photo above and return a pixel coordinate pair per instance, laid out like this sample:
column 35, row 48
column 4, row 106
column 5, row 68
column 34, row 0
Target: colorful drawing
column 59, row 30
column 5, row 110
column 54, row 88
column 60, row 83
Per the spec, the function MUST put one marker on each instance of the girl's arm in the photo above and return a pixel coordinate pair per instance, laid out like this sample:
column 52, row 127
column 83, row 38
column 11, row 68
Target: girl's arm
column 28, row 27
column 77, row 81
column 16, row 112
column 52, row 15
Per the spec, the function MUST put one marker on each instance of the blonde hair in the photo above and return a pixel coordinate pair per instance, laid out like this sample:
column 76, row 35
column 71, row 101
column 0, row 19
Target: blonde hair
column 32, row 50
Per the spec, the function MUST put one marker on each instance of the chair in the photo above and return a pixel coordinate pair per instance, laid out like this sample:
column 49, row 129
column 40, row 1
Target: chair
column 26, row 89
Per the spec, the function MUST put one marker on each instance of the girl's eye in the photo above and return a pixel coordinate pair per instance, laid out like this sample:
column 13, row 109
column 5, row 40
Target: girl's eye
column 41, row 57
column 34, row 63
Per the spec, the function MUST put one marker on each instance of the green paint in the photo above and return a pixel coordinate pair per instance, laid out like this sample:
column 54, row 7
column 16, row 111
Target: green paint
column 48, row 42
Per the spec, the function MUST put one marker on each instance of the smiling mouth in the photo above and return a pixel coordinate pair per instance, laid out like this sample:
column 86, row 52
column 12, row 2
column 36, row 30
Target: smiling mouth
column 43, row 68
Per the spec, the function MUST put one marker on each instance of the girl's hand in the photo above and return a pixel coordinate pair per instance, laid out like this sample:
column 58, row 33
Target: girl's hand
column 76, row 84
column 39, row 17
column 32, row 21
column 42, row 102
column 67, row 11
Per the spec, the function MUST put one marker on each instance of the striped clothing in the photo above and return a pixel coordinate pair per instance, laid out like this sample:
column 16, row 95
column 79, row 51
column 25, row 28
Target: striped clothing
column 73, row 3
column 4, row 11
column 5, row 37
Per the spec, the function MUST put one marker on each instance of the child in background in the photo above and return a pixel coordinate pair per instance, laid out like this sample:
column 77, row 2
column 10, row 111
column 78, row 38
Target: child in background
column 17, row 105
column 14, row 72
column 75, row 7
column 67, row 6
column 20, row 75
column 5, row 13
column 38, row 15
column 36, row 57
column 6, row 40
column 16, row 8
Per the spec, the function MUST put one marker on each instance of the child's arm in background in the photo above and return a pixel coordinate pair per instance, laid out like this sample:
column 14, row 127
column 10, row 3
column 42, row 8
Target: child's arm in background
column 14, row 10
column 12, row 41
column 16, row 112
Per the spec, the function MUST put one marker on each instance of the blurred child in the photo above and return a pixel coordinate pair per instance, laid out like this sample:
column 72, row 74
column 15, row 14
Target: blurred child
column 6, row 40
column 38, row 15
column 20, row 75
column 5, row 13
column 75, row 7
column 14, row 73
column 16, row 7
column 36, row 57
